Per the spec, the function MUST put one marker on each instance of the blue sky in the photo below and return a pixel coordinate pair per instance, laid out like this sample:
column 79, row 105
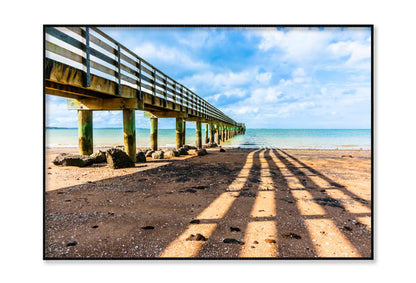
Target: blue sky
column 264, row 77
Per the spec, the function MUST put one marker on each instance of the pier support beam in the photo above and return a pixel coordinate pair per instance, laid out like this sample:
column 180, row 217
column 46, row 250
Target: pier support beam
column 85, row 132
column 129, row 129
column 217, row 132
column 179, row 132
column 153, row 133
column 211, row 133
column 184, row 133
column 206, row 133
column 198, row 135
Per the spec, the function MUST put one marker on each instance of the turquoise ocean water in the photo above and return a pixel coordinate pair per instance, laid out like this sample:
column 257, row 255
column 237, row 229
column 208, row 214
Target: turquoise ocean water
column 254, row 138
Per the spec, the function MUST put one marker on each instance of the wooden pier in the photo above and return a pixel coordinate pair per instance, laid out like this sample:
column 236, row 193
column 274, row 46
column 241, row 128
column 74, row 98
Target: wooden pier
column 97, row 73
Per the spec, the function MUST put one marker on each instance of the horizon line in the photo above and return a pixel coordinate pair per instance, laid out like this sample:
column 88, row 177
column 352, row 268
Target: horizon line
column 48, row 127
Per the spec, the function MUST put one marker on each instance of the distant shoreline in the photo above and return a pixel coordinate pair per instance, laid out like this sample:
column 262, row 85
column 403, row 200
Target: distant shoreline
column 98, row 147
column 64, row 128
column 253, row 138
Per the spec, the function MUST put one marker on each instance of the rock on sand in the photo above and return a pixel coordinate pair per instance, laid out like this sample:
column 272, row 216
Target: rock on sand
column 140, row 157
column 117, row 158
column 158, row 154
column 66, row 159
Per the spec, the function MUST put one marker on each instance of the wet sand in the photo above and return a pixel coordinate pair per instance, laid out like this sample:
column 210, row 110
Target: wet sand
column 266, row 203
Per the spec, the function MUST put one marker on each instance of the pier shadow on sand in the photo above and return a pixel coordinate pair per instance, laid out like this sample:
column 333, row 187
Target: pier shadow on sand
column 266, row 214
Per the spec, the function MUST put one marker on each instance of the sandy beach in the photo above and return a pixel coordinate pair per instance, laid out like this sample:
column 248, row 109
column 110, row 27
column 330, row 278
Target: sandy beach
column 265, row 203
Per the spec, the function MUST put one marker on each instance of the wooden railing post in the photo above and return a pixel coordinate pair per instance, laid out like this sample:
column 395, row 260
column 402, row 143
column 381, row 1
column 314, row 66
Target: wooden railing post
column 154, row 87
column 118, row 69
column 87, row 53
column 165, row 103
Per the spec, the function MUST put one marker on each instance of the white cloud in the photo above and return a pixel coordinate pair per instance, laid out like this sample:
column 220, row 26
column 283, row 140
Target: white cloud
column 299, row 76
column 261, row 95
column 325, row 47
column 246, row 110
column 292, row 109
column 284, row 82
column 57, row 113
column 264, row 77
column 271, row 38
column 222, row 80
column 150, row 52
column 356, row 50
column 204, row 37
column 297, row 44
column 299, row 72
column 238, row 92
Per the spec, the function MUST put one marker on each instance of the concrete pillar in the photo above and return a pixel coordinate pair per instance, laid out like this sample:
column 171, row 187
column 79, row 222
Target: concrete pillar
column 198, row 135
column 211, row 133
column 129, row 130
column 217, row 132
column 184, row 132
column 153, row 133
column 221, row 134
column 85, row 132
column 206, row 133
column 179, row 132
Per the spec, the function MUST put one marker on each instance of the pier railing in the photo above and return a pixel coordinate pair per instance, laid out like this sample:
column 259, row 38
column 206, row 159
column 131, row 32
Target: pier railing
column 91, row 51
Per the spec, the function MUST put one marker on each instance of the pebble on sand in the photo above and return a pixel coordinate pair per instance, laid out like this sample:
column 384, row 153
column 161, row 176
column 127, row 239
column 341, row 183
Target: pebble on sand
column 197, row 237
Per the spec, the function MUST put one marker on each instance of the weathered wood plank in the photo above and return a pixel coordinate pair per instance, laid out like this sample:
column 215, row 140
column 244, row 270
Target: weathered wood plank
column 103, row 104
column 165, row 114
column 66, row 77
column 52, row 47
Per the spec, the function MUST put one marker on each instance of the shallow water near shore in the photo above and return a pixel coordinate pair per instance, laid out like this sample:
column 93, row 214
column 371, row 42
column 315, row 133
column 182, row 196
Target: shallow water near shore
column 253, row 138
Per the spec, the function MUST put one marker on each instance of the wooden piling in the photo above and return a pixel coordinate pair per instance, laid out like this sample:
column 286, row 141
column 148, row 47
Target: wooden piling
column 153, row 133
column 206, row 133
column 85, row 140
column 129, row 130
column 217, row 132
column 184, row 133
column 211, row 133
column 179, row 132
column 198, row 136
